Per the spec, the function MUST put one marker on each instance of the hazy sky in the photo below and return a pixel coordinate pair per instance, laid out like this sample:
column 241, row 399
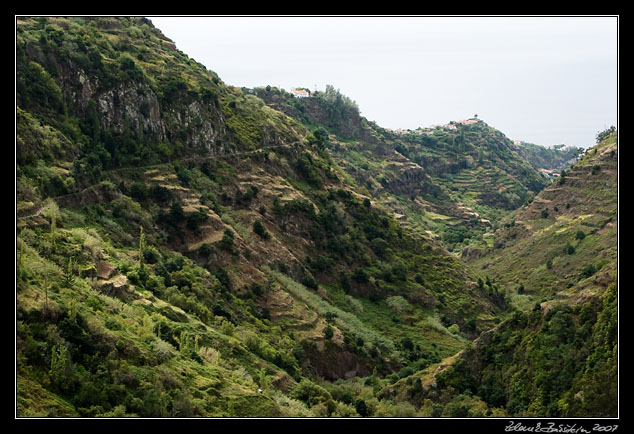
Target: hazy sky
column 544, row 80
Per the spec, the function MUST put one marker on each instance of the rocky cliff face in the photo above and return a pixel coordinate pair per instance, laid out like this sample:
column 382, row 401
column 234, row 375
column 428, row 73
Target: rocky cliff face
column 97, row 76
column 135, row 105
column 124, row 103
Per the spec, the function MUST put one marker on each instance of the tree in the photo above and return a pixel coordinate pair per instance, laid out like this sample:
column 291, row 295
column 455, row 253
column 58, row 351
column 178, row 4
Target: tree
column 310, row 393
column 69, row 277
column 562, row 178
column 263, row 380
column 605, row 133
column 176, row 214
column 61, row 367
column 360, row 276
column 227, row 240
column 37, row 89
column 321, row 135
column 407, row 343
column 471, row 324
column 52, row 210
column 139, row 191
column 204, row 250
column 398, row 303
column 588, row 271
column 141, row 250
column 305, row 166
column 310, row 282
column 362, row 408
column 259, row 229
column 195, row 219
column 492, row 390
column 379, row 246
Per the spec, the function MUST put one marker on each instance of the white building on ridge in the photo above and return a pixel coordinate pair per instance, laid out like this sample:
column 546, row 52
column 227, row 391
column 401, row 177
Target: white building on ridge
column 300, row 92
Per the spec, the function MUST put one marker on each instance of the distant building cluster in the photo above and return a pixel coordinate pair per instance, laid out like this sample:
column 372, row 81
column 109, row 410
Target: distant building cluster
column 469, row 121
column 453, row 125
column 552, row 173
column 400, row 131
column 299, row 92
column 449, row 127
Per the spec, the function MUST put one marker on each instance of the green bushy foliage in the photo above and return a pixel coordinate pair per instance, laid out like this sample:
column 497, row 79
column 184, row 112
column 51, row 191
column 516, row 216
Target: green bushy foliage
column 193, row 331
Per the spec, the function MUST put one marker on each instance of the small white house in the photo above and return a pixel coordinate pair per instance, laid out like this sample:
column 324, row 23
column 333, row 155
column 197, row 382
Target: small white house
column 300, row 93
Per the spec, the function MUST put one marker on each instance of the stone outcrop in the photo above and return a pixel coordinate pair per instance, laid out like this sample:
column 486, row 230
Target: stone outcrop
column 105, row 270
column 136, row 105
column 116, row 286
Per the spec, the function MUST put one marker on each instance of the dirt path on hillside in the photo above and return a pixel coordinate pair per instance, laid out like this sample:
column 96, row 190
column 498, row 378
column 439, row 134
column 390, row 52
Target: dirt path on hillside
column 237, row 154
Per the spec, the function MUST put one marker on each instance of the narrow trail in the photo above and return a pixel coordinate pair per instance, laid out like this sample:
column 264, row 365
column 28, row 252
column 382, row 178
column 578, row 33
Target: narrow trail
column 37, row 213
column 151, row 166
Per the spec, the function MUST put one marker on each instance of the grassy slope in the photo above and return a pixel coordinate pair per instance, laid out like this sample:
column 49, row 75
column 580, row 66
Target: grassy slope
column 448, row 184
column 578, row 210
column 200, row 324
column 543, row 361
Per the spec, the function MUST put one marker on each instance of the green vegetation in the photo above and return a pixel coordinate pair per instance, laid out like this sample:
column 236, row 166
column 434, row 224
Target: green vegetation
column 545, row 364
column 186, row 248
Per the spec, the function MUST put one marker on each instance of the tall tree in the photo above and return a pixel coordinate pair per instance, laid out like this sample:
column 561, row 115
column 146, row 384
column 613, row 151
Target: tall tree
column 141, row 251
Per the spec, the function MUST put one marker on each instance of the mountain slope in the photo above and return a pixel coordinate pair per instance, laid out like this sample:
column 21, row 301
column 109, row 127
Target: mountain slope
column 566, row 235
column 183, row 249
column 187, row 248
column 451, row 182
column 557, row 354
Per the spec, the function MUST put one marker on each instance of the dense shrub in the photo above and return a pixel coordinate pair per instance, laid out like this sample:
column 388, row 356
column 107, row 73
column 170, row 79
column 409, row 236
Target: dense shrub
column 259, row 229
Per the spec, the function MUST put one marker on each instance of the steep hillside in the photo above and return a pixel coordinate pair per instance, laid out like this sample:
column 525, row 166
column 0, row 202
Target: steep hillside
column 452, row 183
column 188, row 248
column 183, row 249
column 552, row 159
column 557, row 354
column 566, row 236
column 560, row 362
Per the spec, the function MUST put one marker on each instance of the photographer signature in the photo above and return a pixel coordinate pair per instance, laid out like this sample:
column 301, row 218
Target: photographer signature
column 552, row 427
